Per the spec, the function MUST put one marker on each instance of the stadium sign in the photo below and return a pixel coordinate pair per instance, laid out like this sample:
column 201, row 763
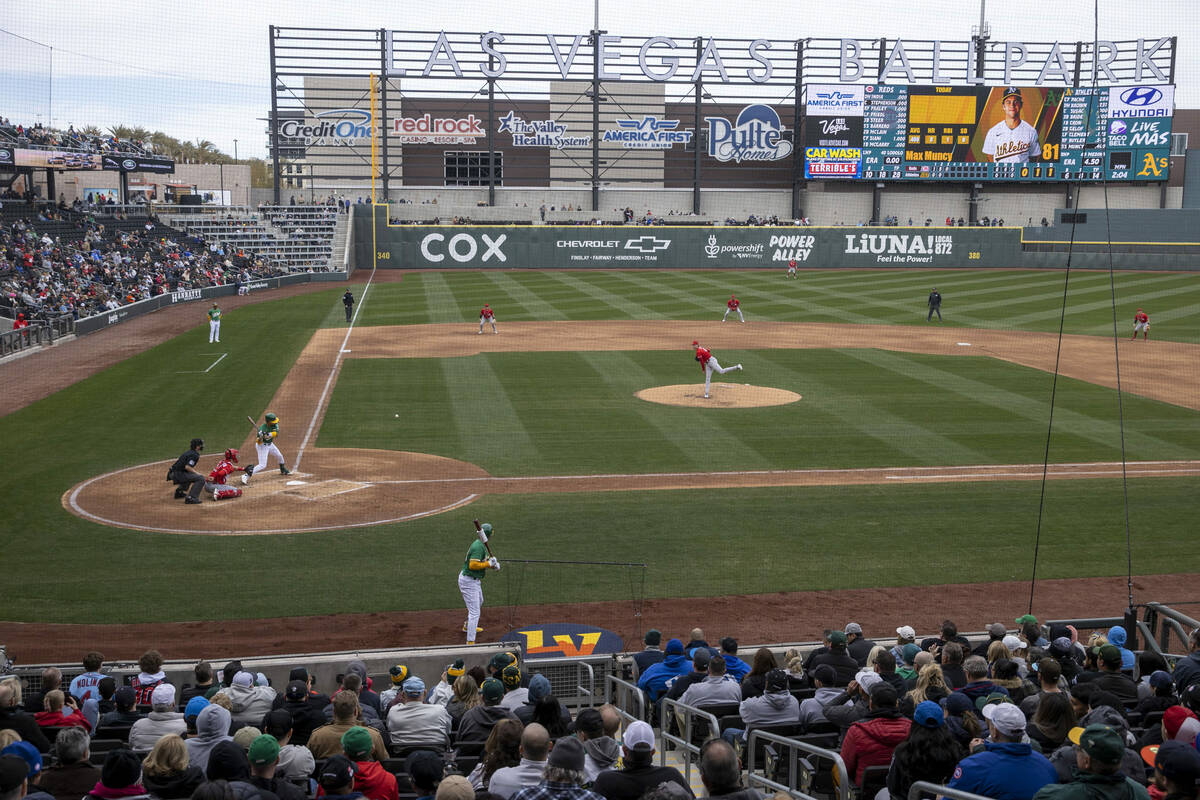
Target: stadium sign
column 185, row 295
column 340, row 126
column 741, row 252
column 428, row 129
column 757, row 136
column 900, row 248
column 564, row 639
column 6, row 156
column 540, row 133
column 1129, row 102
column 136, row 163
column 662, row 58
column 647, row 133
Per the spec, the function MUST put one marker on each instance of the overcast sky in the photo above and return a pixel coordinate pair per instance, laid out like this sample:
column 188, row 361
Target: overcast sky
column 201, row 70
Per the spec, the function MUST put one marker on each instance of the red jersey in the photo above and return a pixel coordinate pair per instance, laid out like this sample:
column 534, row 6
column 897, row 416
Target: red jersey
column 1141, row 317
column 221, row 471
column 486, row 313
column 703, row 354
column 733, row 302
column 20, row 323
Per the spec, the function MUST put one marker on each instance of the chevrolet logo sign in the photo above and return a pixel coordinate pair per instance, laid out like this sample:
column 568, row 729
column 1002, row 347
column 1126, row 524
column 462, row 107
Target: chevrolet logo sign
column 647, row 244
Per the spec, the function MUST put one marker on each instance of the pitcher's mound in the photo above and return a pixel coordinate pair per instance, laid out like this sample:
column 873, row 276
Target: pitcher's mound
column 721, row 395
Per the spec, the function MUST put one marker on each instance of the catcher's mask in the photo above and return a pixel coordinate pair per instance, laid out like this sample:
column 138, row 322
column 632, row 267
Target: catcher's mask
column 272, row 418
column 231, row 455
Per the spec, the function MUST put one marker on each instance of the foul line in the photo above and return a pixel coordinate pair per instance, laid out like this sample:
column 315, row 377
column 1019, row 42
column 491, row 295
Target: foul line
column 202, row 371
column 337, row 361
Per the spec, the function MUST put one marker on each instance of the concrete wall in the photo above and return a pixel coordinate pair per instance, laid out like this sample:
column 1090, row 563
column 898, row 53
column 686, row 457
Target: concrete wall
column 206, row 177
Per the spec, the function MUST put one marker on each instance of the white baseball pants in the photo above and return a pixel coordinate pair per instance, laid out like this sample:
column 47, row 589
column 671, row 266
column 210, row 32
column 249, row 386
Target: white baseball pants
column 711, row 367
column 728, row 311
column 264, row 452
column 214, row 331
column 472, row 594
column 484, row 320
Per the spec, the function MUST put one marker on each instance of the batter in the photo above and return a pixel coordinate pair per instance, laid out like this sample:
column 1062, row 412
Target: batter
column 709, row 365
column 264, row 447
column 470, row 580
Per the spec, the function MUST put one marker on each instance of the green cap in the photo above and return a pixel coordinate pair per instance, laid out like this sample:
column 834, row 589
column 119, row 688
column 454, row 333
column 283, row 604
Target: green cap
column 837, row 637
column 1026, row 618
column 1109, row 654
column 357, row 743
column 492, row 691
column 264, row 750
column 1102, row 743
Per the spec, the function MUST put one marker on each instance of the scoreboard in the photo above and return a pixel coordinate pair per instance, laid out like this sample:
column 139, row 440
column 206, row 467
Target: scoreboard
column 886, row 132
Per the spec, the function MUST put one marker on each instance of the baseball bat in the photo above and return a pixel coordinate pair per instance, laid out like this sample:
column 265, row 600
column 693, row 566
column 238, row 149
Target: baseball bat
column 479, row 535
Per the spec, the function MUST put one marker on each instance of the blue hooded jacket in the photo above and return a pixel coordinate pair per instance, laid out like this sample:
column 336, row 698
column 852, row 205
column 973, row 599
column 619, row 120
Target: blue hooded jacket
column 1117, row 636
column 675, row 663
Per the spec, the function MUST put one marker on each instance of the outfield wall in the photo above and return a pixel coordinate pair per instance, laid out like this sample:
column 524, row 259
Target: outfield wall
column 669, row 247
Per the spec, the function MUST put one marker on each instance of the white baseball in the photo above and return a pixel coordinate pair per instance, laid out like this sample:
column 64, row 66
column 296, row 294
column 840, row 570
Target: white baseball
column 397, row 416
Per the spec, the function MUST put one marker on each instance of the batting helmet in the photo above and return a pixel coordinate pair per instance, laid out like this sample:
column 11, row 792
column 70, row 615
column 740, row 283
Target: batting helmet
column 231, row 454
column 271, row 417
column 486, row 528
column 196, row 444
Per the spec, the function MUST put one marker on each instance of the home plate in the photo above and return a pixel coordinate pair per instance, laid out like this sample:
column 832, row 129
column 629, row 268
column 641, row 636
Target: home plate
column 963, row 344
column 296, row 483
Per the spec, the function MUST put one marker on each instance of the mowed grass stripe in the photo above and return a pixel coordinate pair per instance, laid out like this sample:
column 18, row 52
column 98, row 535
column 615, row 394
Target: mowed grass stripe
column 1068, row 422
column 589, row 285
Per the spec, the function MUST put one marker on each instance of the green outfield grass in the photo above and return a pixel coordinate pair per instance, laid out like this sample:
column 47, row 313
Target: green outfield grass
column 568, row 413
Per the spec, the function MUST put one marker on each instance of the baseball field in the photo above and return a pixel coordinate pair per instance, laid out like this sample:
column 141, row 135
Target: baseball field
column 860, row 448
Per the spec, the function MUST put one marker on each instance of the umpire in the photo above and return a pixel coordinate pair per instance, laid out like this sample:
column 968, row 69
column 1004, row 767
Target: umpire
column 935, row 305
column 348, row 302
column 188, row 482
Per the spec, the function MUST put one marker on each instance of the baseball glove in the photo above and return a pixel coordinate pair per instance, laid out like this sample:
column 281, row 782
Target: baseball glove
column 697, row 358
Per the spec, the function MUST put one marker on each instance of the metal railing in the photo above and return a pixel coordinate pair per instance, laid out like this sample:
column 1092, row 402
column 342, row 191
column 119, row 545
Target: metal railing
column 800, row 771
column 25, row 338
column 623, row 694
column 572, row 680
column 1159, row 623
column 688, row 716
column 921, row 789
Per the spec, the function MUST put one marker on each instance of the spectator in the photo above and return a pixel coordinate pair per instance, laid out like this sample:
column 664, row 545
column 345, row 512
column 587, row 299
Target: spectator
column 654, row 680
column 906, row 668
column 125, row 714
column 1187, row 670
column 477, row 723
column 978, row 683
column 600, row 750
column 212, row 728
column 701, row 658
column 443, row 692
column 32, row 759
column 120, row 777
column 563, row 778
column 720, row 772
column 1019, row 648
column 415, row 723
column 853, row 704
column 651, row 654
column 735, row 668
column 1049, row 675
column 1162, row 697
column 326, row 741
column 60, row 713
column 812, row 709
column 203, row 672
column 996, row 633
column 455, row 787
column 534, row 749
column 1111, row 679
column 1098, row 759
column 539, row 688
column 303, row 714
column 639, row 774
column 1177, row 771
column 336, row 779
column 250, row 702
column 1005, row 674
column 870, row 741
column 166, row 771
column 424, row 769
column 151, row 676
column 228, row 762
column 929, row 752
column 502, row 749
column 857, row 646
column 930, row 685
column 844, row 665
column 83, row 686
column 51, row 680
column 1052, row 721
column 295, row 760
column 935, row 644
column 515, row 694
column 370, row 777
column 885, row 665
column 466, row 696
column 163, row 719
column 263, row 756
column 755, row 681
column 952, row 655
column 1007, row 768
column 352, row 682
column 73, row 775
column 549, row 713
column 961, row 719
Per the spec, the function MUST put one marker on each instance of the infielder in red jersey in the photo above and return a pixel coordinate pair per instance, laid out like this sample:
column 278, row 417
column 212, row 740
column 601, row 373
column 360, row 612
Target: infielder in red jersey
column 1141, row 322
column 709, row 364
column 487, row 315
column 215, row 485
column 732, row 305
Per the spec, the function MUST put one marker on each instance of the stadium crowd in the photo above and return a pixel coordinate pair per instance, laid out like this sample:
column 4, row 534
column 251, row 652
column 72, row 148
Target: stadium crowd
column 41, row 137
column 1038, row 713
column 57, row 261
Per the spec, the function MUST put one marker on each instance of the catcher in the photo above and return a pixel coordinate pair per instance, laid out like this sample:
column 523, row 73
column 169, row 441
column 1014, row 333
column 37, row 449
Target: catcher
column 216, row 479
column 264, row 447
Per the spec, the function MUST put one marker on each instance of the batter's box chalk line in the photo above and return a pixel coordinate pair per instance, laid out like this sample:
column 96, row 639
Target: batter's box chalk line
column 963, row 344
column 322, row 490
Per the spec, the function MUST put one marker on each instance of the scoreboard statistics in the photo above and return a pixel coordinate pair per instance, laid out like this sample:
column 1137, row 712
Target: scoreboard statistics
column 979, row 133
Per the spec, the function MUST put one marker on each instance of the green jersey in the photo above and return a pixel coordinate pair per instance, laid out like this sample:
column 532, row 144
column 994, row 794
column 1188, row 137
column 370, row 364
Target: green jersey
column 268, row 431
column 477, row 553
column 214, row 315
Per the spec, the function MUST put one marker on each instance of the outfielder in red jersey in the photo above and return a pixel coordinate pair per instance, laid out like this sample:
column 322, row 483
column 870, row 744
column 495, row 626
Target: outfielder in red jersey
column 487, row 315
column 732, row 305
column 215, row 485
column 792, row 268
column 709, row 364
column 1141, row 322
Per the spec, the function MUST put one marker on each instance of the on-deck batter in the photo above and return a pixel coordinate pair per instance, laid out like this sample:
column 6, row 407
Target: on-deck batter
column 470, row 580
column 214, row 324
column 709, row 364
column 487, row 315
column 264, row 448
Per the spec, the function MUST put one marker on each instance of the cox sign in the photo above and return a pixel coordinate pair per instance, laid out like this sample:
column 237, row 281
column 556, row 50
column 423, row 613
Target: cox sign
column 462, row 247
